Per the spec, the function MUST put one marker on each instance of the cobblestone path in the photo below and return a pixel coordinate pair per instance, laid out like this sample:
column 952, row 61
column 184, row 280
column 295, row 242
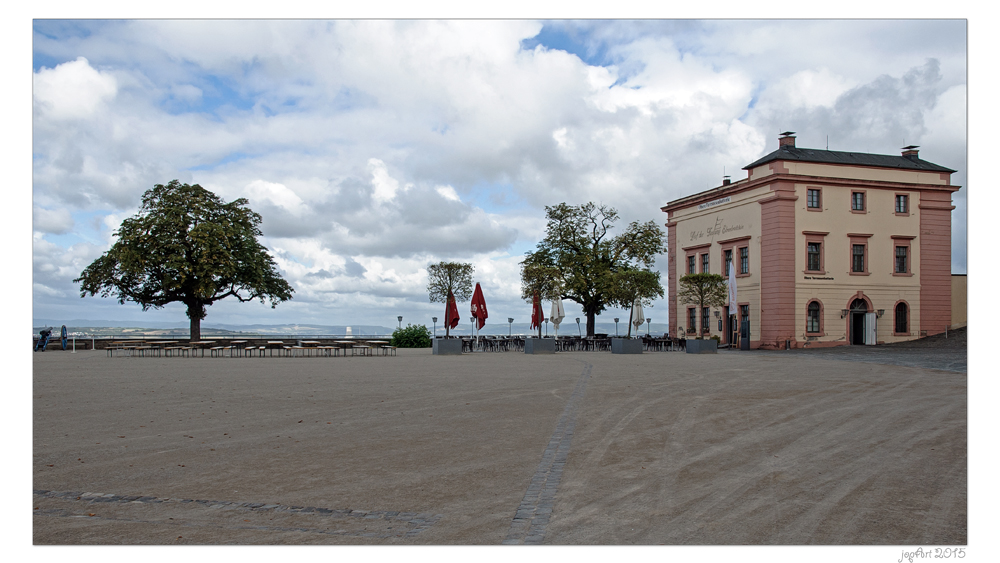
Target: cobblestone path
column 532, row 516
column 202, row 513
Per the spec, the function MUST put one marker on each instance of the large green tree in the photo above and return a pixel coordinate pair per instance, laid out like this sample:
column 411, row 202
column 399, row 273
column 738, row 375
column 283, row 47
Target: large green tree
column 186, row 245
column 449, row 277
column 590, row 266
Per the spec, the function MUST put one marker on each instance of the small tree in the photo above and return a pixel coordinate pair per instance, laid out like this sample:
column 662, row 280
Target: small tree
column 449, row 277
column 539, row 276
column 630, row 284
column 703, row 290
column 186, row 245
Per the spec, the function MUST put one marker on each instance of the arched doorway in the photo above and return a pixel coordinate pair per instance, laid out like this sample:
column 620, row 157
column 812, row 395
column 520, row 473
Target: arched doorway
column 857, row 321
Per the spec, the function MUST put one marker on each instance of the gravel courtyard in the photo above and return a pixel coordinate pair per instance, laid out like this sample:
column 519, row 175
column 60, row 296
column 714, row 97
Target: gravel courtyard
column 776, row 448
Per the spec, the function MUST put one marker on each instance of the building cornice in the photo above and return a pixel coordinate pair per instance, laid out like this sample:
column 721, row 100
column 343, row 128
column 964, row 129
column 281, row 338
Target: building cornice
column 745, row 185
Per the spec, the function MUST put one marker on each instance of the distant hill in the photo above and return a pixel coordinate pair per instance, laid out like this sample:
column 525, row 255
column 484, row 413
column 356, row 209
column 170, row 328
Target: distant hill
column 177, row 328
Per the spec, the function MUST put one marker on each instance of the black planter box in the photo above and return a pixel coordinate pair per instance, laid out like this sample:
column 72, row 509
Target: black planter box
column 626, row 346
column 539, row 346
column 447, row 347
column 706, row 346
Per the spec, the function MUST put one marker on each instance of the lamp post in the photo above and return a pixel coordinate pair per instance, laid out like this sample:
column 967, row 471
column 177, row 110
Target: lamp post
column 578, row 329
column 510, row 324
column 616, row 327
column 546, row 320
column 400, row 319
column 435, row 321
column 648, row 320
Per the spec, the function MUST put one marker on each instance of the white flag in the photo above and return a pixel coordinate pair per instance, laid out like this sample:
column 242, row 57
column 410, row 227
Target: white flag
column 732, row 287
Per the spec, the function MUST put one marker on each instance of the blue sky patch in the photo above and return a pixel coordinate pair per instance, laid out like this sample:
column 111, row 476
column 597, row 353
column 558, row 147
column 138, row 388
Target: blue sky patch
column 217, row 96
column 574, row 41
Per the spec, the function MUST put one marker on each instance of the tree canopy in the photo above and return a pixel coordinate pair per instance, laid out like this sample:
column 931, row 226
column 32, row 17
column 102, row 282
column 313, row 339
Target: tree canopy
column 579, row 260
column 703, row 290
column 186, row 245
column 449, row 277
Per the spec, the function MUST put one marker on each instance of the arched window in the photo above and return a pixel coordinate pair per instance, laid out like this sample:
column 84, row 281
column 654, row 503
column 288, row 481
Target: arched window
column 902, row 319
column 812, row 317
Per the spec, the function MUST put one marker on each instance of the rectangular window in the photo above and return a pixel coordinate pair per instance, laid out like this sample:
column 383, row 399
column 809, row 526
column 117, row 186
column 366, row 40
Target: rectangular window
column 691, row 261
column 857, row 201
column 744, row 260
column 704, row 320
column 812, row 254
column 744, row 313
column 901, row 260
column 704, row 263
column 858, row 258
column 692, row 319
column 902, row 203
column 729, row 262
column 812, row 199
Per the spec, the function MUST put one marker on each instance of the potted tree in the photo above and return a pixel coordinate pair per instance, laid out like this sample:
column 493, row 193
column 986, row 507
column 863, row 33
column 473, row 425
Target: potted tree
column 703, row 290
column 449, row 282
column 540, row 280
column 631, row 287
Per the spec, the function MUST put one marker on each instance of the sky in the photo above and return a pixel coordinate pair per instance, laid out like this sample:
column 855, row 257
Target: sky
column 373, row 148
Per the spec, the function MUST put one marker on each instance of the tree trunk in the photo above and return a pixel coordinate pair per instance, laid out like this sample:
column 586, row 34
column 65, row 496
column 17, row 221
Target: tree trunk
column 196, row 312
column 447, row 328
column 195, row 329
column 590, row 323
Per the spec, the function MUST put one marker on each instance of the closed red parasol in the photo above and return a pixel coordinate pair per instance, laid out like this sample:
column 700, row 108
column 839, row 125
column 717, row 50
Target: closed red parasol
column 479, row 307
column 536, row 312
column 451, row 317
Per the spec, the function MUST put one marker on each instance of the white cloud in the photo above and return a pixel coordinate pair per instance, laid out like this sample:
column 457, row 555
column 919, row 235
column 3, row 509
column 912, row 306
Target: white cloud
column 277, row 194
column 54, row 221
column 373, row 148
column 72, row 90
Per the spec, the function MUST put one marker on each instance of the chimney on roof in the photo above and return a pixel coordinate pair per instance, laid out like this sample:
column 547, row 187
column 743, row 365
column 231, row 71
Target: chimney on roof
column 787, row 139
column 725, row 180
column 910, row 152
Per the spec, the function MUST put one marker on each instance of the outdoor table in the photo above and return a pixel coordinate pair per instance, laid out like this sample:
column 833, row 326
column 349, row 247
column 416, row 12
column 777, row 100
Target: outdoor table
column 272, row 343
column 200, row 345
column 308, row 346
column 363, row 349
column 125, row 346
column 345, row 344
column 162, row 346
column 235, row 345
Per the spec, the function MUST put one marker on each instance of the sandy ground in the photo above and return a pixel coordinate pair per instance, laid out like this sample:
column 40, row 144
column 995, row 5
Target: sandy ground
column 661, row 448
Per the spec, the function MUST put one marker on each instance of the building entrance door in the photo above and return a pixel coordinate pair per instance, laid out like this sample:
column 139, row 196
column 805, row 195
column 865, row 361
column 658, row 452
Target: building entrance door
column 731, row 334
column 858, row 325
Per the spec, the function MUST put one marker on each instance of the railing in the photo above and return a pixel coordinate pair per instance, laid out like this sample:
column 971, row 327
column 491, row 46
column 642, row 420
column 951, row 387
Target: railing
column 101, row 342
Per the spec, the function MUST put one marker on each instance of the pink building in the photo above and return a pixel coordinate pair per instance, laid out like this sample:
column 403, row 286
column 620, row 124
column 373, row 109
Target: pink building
column 830, row 248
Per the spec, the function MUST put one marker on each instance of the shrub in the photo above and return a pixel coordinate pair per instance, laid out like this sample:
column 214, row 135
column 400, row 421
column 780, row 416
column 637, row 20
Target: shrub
column 413, row 336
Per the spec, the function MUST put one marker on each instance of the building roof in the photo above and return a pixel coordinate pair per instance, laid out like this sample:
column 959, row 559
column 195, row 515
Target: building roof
column 850, row 158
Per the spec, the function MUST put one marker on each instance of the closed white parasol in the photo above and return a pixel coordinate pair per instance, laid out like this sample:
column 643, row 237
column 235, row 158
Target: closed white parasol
column 637, row 316
column 557, row 314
